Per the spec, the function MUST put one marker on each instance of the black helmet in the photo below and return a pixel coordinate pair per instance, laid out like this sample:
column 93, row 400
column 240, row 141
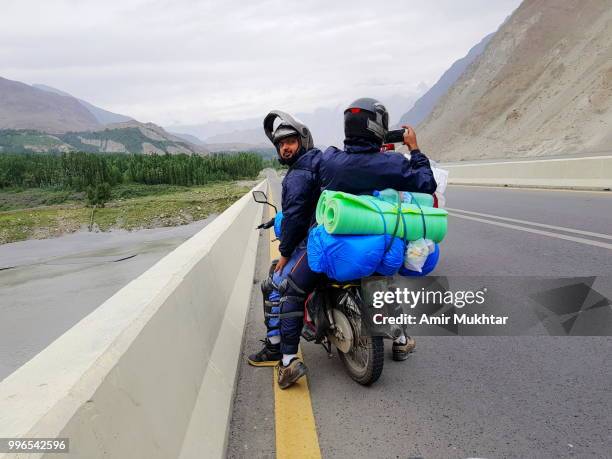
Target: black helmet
column 280, row 125
column 366, row 118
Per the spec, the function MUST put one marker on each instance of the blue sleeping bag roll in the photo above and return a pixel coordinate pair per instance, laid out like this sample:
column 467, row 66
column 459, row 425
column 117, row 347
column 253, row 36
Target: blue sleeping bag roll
column 394, row 258
column 349, row 257
column 429, row 266
column 278, row 219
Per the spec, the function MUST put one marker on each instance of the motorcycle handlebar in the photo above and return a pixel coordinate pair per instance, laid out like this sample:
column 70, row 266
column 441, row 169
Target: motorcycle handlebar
column 266, row 225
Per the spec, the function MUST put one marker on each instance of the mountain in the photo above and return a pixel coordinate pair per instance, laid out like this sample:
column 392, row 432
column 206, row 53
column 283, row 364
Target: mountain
column 129, row 137
column 44, row 119
column 134, row 137
column 326, row 125
column 252, row 137
column 189, row 138
column 425, row 104
column 542, row 86
column 212, row 128
column 25, row 107
column 101, row 115
column 265, row 152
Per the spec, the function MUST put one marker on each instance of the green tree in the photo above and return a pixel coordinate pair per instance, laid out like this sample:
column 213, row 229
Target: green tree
column 99, row 194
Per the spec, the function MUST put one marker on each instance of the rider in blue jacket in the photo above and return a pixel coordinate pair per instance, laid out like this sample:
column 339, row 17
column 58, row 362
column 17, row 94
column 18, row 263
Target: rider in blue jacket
column 300, row 193
column 359, row 169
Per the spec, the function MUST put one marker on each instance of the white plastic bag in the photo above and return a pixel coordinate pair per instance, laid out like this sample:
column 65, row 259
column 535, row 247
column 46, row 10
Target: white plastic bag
column 441, row 176
column 441, row 200
column 417, row 253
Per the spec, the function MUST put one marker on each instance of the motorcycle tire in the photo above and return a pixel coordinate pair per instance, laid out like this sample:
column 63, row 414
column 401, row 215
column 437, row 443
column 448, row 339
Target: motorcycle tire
column 365, row 371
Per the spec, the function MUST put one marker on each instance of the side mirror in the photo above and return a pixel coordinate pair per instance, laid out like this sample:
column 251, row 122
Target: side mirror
column 260, row 196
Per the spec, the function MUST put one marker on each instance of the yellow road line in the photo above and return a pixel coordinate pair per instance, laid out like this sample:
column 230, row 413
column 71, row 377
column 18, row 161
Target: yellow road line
column 274, row 253
column 296, row 431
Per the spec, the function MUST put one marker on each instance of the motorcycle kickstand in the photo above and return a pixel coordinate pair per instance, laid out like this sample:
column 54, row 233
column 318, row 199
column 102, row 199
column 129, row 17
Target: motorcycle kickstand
column 327, row 346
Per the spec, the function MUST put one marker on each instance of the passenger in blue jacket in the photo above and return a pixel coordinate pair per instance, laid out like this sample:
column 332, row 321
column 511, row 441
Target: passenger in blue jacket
column 300, row 193
column 359, row 169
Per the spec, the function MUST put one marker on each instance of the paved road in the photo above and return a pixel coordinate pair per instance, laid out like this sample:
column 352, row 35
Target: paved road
column 585, row 154
column 467, row 396
column 47, row 286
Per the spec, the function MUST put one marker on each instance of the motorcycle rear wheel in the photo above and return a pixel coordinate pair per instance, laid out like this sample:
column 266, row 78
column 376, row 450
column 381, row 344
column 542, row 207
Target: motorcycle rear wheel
column 364, row 361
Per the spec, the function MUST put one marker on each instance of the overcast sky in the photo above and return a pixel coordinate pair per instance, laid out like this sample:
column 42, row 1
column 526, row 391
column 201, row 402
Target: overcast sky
column 187, row 62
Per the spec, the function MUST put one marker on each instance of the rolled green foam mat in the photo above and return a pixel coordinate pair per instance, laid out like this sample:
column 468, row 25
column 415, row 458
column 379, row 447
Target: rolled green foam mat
column 345, row 213
column 423, row 199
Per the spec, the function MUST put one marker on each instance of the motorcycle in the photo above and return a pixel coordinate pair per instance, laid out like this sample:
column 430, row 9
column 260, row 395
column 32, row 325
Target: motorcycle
column 333, row 315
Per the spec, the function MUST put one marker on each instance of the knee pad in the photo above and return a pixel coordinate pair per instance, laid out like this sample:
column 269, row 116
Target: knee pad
column 289, row 288
column 283, row 286
column 272, row 317
column 292, row 299
column 268, row 286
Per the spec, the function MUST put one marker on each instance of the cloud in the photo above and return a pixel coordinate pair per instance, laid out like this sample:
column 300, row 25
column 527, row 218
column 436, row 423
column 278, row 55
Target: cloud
column 187, row 61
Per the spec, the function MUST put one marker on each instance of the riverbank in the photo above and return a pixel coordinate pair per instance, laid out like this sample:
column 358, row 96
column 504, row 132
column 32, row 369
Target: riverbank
column 42, row 214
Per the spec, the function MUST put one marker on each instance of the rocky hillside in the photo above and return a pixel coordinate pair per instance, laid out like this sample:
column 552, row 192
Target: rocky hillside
column 425, row 104
column 130, row 137
column 101, row 115
column 543, row 86
column 44, row 119
column 25, row 107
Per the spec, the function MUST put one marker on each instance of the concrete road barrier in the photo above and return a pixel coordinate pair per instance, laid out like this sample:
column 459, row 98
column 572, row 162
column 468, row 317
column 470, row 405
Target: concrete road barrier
column 151, row 372
column 593, row 172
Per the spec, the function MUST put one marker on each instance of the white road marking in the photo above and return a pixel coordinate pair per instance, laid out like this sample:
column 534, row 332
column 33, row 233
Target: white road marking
column 542, row 225
column 536, row 231
column 530, row 188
